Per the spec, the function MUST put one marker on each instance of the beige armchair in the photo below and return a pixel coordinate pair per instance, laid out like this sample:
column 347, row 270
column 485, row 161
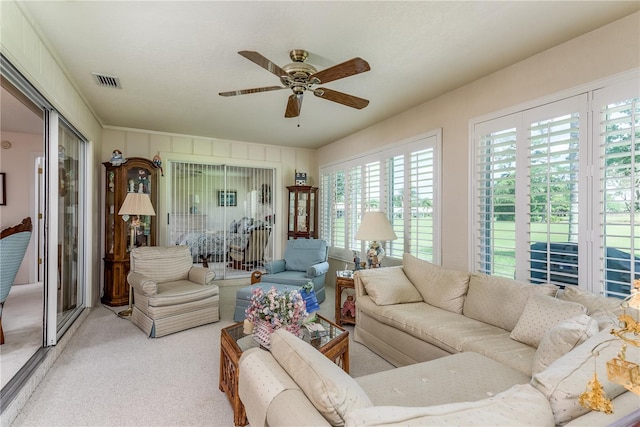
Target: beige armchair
column 169, row 293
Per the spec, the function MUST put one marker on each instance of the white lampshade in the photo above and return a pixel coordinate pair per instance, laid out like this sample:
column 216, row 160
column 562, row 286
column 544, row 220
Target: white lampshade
column 137, row 204
column 375, row 226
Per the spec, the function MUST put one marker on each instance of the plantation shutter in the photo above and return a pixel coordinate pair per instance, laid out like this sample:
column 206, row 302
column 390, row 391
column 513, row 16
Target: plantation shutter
column 354, row 206
column 327, row 206
column 421, row 170
column 495, row 197
column 619, row 179
column 397, row 211
column 338, row 236
column 372, row 191
column 400, row 181
column 555, row 138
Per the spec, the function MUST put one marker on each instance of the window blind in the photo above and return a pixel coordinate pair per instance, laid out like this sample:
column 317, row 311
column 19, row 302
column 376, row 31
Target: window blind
column 496, row 202
column 224, row 213
column 553, row 193
column 620, row 195
column 401, row 181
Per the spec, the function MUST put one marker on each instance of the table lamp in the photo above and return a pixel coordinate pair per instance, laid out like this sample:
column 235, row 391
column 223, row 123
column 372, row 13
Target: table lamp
column 134, row 204
column 375, row 227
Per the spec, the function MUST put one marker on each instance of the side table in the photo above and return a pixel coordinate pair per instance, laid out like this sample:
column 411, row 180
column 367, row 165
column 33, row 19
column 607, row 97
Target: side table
column 343, row 281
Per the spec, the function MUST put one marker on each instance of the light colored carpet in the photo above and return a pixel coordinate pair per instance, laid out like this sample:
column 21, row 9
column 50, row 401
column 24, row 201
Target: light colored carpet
column 112, row 374
column 22, row 324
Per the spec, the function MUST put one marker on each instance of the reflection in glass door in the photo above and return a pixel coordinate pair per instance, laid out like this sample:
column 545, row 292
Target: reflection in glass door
column 70, row 225
column 59, row 193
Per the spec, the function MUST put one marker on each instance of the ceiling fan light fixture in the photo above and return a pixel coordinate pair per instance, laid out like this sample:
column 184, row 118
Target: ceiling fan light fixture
column 300, row 77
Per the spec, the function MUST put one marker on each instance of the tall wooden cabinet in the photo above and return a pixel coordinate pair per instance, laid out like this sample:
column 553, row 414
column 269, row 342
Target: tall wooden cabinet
column 132, row 176
column 303, row 212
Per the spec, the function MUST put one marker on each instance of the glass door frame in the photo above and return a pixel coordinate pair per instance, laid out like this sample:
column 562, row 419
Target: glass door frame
column 50, row 214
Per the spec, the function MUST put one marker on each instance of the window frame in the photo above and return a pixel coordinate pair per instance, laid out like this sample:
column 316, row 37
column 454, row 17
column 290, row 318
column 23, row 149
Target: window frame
column 590, row 220
column 380, row 160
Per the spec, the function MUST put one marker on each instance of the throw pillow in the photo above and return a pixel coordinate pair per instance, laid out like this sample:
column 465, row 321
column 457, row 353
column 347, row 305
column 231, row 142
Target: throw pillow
column 488, row 292
column 566, row 378
column 561, row 339
column 439, row 286
column 541, row 313
column 331, row 390
column 593, row 302
column 388, row 286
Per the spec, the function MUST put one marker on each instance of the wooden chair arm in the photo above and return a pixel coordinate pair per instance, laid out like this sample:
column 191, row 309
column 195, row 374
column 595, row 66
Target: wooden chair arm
column 256, row 277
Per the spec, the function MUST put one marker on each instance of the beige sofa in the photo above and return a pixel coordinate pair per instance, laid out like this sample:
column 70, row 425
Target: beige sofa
column 478, row 350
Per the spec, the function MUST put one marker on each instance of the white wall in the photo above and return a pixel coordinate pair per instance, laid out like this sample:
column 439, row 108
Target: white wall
column 610, row 50
column 18, row 163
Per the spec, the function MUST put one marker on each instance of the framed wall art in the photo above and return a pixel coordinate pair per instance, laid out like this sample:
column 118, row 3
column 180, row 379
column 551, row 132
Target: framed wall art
column 3, row 189
column 227, row 198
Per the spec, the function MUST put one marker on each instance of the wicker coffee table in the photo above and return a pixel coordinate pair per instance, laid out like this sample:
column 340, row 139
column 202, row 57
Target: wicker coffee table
column 233, row 341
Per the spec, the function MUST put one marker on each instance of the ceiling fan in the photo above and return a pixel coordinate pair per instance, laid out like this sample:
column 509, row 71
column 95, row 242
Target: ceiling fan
column 301, row 77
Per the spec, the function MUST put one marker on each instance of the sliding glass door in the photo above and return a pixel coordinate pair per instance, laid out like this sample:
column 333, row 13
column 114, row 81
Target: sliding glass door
column 53, row 191
column 71, row 241
column 224, row 214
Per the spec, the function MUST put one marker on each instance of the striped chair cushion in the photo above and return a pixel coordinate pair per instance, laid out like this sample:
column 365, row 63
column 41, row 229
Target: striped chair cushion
column 162, row 264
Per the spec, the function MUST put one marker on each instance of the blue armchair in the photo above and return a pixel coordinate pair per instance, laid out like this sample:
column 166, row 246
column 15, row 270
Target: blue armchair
column 304, row 260
column 13, row 245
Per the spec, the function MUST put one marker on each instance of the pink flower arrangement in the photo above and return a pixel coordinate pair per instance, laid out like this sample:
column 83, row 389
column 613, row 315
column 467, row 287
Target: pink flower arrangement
column 281, row 310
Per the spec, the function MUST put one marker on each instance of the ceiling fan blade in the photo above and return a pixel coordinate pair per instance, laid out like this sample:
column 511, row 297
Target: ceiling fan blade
column 246, row 91
column 341, row 98
column 340, row 71
column 294, row 105
column 256, row 58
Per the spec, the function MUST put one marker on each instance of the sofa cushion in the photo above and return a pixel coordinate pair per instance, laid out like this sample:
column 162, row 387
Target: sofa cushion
column 593, row 302
column 521, row 405
column 301, row 253
column 389, row 286
column 542, row 313
column 561, row 339
column 331, row 390
column 162, row 263
column 438, row 286
column 566, row 378
column 460, row 377
column 499, row 301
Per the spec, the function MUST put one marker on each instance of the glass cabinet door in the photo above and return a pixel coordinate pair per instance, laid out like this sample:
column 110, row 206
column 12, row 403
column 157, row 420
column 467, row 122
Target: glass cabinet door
column 139, row 181
column 303, row 212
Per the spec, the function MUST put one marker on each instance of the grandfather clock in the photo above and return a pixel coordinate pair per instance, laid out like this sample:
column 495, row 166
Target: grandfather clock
column 303, row 212
column 135, row 175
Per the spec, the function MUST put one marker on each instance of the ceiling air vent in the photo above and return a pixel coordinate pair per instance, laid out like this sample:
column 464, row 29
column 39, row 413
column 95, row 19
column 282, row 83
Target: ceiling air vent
column 107, row 81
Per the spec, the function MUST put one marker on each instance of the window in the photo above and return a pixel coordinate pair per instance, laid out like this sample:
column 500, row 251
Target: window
column 555, row 203
column 402, row 181
column 618, row 179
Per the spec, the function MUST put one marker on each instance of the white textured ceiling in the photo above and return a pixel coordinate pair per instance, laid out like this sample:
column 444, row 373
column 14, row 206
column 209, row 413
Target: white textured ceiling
column 173, row 57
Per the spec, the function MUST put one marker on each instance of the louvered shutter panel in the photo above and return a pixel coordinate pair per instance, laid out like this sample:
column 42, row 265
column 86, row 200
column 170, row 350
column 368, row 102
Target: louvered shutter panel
column 553, row 190
column 620, row 195
column 326, row 207
column 495, row 200
column 397, row 187
column 354, row 206
column 339, row 237
column 421, row 173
